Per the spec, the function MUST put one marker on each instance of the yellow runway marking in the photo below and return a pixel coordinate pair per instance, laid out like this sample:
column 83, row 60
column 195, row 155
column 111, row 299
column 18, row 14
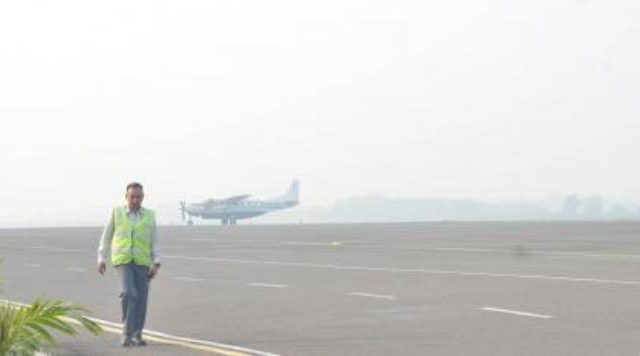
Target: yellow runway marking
column 161, row 340
column 194, row 344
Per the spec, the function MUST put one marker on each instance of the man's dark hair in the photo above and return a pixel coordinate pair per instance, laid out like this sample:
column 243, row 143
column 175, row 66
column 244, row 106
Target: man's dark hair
column 133, row 185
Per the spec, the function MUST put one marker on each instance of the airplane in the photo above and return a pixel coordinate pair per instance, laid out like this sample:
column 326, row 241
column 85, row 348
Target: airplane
column 237, row 207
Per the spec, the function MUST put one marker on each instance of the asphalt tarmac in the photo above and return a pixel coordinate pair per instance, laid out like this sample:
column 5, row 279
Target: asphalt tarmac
column 360, row 289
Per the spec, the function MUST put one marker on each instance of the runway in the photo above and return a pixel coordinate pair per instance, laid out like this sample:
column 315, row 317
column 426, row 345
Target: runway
column 355, row 289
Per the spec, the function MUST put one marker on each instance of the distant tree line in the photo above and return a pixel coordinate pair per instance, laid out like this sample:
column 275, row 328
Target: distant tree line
column 383, row 209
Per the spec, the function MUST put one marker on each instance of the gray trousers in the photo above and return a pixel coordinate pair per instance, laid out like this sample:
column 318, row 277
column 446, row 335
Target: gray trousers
column 135, row 291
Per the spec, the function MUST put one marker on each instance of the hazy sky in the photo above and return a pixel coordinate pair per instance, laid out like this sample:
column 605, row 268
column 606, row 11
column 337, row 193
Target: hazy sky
column 480, row 99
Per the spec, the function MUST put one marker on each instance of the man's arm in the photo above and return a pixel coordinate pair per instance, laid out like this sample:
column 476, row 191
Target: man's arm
column 105, row 244
column 155, row 257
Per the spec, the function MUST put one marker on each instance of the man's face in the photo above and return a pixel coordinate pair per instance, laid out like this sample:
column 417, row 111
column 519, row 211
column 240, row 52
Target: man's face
column 134, row 198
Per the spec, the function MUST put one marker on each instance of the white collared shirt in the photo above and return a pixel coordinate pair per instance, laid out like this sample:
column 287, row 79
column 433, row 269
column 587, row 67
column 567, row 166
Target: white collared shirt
column 107, row 235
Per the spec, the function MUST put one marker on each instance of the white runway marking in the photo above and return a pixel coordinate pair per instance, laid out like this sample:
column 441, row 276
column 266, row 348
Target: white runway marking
column 369, row 295
column 189, row 279
column 32, row 265
column 60, row 249
column 54, row 249
column 429, row 248
column 515, row 312
column 508, row 251
column 299, row 243
column 434, row 248
column 267, row 285
column 411, row 270
column 462, row 249
column 219, row 240
column 598, row 256
column 585, row 254
column 76, row 269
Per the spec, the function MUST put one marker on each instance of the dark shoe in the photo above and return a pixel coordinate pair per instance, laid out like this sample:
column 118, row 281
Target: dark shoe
column 138, row 341
column 126, row 341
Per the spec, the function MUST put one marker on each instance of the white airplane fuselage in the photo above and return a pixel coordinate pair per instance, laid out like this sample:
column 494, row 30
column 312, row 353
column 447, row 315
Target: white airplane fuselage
column 238, row 207
column 241, row 210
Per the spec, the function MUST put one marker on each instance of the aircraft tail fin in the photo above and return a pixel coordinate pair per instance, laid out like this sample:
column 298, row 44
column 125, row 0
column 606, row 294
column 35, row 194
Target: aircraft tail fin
column 292, row 194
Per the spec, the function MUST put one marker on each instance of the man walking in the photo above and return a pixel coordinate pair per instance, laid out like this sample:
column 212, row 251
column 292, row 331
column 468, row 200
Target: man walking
column 130, row 235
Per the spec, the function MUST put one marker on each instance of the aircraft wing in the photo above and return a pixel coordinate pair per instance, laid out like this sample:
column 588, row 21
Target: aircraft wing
column 210, row 202
column 234, row 199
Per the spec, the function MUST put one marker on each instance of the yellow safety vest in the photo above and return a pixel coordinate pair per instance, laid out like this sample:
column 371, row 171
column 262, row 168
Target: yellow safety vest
column 132, row 243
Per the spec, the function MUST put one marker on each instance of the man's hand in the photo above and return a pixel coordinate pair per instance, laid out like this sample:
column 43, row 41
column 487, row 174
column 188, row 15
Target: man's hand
column 102, row 266
column 153, row 271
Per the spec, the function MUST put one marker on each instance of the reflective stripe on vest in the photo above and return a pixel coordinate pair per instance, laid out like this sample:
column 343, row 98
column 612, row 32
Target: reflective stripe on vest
column 132, row 242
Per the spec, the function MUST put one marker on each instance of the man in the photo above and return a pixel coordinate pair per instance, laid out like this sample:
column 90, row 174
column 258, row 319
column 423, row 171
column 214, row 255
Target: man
column 131, row 237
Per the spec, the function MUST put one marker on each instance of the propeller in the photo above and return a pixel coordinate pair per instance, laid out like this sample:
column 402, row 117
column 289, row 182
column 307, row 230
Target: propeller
column 183, row 209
